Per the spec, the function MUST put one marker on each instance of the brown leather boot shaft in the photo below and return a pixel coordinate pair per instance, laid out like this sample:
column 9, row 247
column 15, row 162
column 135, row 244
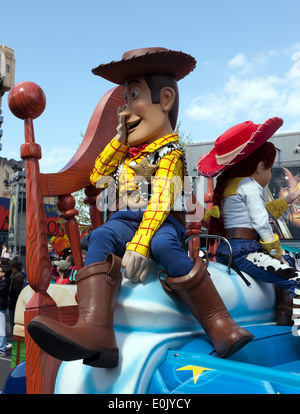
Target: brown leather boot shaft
column 92, row 338
column 200, row 295
column 191, row 280
column 97, row 299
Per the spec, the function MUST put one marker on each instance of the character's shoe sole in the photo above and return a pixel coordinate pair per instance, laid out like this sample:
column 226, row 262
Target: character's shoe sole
column 64, row 349
column 236, row 346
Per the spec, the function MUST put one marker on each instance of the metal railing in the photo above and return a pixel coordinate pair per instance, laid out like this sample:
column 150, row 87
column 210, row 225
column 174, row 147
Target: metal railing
column 212, row 236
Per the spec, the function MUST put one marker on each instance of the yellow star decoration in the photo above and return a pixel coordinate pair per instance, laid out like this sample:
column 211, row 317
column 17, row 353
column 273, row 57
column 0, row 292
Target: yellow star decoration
column 197, row 371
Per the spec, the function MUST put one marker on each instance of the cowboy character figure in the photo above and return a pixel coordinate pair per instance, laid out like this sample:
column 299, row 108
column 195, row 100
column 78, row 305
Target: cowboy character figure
column 143, row 226
column 242, row 159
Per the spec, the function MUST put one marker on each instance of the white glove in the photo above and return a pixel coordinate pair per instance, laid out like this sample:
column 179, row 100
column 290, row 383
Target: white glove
column 121, row 128
column 136, row 266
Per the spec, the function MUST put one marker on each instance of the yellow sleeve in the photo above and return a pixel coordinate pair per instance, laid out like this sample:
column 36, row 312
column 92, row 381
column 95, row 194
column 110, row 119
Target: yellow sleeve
column 109, row 159
column 166, row 186
column 277, row 207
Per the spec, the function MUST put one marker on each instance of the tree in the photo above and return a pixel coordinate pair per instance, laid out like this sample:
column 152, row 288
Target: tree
column 183, row 137
column 83, row 217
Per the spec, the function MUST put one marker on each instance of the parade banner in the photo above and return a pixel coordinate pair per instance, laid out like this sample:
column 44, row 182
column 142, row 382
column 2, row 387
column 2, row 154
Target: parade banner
column 4, row 214
column 54, row 225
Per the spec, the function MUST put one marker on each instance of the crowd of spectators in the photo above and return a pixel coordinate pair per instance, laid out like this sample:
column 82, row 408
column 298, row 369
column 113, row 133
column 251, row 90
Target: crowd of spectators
column 63, row 269
column 13, row 279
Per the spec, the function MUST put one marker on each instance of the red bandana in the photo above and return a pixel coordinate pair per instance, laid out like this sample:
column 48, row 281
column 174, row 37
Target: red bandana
column 134, row 151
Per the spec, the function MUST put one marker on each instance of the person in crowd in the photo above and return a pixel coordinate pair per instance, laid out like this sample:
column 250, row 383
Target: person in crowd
column 4, row 261
column 52, row 257
column 83, row 252
column 72, row 268
column 51, row 251
column 62, row 267
column 5, row 274
column 6, row 252
column 17, row 283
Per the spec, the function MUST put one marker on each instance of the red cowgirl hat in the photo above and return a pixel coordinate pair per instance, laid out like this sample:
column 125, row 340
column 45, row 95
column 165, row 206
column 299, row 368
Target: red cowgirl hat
column 147, row 61
column 236, row 144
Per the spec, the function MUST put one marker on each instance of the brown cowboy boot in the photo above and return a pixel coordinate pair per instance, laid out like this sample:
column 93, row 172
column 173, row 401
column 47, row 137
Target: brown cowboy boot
column 200, row 295
column 92, row 338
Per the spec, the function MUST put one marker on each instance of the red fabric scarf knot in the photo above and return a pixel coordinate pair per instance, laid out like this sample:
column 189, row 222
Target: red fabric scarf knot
column 134, row 151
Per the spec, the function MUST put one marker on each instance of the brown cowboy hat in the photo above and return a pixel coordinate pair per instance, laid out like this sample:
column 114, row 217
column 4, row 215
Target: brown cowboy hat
column 235, row 145
column 139, row 62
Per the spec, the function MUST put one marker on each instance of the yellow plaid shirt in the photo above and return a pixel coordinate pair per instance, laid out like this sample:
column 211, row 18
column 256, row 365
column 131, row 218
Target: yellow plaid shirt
column 164, row 191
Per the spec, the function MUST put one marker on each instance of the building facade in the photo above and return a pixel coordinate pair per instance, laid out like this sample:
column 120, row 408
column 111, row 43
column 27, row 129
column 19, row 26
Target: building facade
column 13, row 207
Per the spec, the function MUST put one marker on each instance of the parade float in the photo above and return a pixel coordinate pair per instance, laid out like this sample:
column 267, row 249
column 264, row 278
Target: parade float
column 162, row 348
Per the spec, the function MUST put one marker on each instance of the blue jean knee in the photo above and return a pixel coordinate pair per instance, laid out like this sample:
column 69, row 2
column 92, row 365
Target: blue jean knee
column 166, row 248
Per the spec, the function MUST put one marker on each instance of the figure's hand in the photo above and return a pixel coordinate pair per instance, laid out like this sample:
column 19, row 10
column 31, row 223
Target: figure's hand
column 121, row 128
column 136, row 266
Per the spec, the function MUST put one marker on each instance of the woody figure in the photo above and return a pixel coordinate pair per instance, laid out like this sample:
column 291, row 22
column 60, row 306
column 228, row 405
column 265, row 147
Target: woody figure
column 145, row 149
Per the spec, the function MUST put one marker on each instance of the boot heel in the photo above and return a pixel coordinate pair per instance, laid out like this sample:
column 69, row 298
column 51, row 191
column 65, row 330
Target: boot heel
column 107, row 358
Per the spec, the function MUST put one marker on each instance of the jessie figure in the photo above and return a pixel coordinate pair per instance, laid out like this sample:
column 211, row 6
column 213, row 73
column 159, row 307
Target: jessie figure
column 145, row 146
column 242, row 159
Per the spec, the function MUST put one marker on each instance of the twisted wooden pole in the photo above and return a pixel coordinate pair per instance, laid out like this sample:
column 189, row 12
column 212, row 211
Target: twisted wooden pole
column 27, row 101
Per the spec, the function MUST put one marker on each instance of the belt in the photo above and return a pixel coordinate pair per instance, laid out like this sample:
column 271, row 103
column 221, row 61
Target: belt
column 240, row 233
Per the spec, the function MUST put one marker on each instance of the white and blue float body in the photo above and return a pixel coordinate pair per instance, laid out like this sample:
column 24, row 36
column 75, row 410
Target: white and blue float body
column 163, row 349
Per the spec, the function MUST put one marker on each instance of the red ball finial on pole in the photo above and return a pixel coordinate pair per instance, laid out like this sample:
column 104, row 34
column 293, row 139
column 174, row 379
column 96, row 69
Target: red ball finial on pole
column 27, row 100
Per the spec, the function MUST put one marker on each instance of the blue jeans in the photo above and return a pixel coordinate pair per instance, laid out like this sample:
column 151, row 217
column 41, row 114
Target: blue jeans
column 166, row 247
column 2, row 330
column 277, row 274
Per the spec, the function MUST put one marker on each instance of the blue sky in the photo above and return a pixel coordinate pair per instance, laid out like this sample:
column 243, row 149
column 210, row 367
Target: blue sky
column 247, row 52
